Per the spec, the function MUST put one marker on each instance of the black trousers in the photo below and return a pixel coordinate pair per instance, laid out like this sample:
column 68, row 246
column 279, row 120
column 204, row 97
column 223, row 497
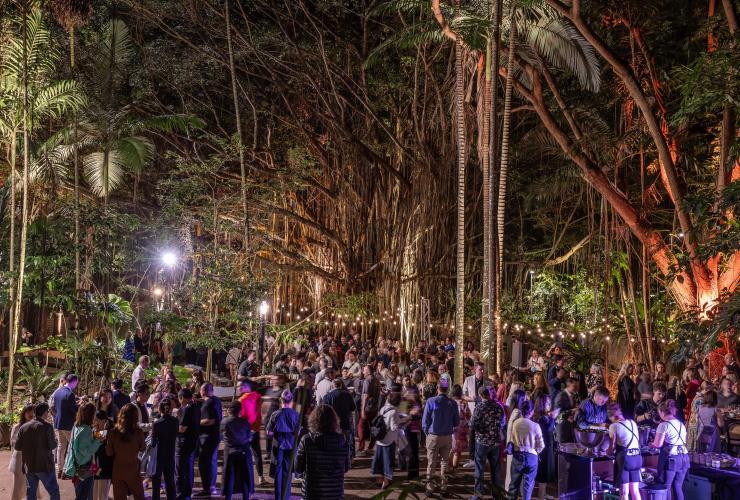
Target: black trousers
column 184, row 463
column 413, row 438
column 237, row 474
column 168, row 471
column 257, row 452
column 208, row 460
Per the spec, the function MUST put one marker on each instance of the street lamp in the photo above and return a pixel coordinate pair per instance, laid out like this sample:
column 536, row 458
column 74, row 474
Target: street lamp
column 264, row 307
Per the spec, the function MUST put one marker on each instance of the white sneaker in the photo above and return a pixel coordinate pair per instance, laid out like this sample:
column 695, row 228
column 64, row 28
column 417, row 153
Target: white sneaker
column 260, row 480
column 469, row 465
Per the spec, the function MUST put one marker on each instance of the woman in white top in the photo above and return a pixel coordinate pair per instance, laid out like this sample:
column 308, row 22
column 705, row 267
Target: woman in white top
column 670, row 437
column 16, row 459
column 515, row 401
column 625, row 438
column 385, row 448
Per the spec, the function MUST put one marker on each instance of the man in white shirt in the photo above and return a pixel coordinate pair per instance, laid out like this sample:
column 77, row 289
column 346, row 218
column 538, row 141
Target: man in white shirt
column 326, row 385
column 526, row 437
column 352, row 365
column 535, row 363
column 139, row 371
column 471, row 385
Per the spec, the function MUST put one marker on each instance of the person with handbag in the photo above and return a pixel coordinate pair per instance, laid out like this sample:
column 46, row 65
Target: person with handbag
column 15, row 466
column 80, row 464
column 124, row 444
column 162, row 462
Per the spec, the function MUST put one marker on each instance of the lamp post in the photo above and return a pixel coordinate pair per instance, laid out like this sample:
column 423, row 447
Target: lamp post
column 261, row 345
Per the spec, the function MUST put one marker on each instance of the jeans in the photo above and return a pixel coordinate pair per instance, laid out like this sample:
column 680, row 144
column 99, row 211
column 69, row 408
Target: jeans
column 674, row 473
column 349, row 436
column 383, row 461
column 523, row 473
column 485, row 455
column 438, row 452
column 257, row 452
column 83, row 489
column 184, row 462
column 208, row 460
column 168, row 472
column 48, row 479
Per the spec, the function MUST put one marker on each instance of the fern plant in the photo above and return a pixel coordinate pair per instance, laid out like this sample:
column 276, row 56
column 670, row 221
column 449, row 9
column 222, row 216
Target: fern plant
column 39, row 385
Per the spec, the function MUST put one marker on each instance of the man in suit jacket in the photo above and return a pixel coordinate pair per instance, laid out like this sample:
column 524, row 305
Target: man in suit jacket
column 164, row 436
column 471, row 386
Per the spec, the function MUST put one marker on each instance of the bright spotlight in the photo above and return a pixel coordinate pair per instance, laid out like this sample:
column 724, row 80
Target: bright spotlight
column 169, row 259
column 157, row 292
column 263, row 308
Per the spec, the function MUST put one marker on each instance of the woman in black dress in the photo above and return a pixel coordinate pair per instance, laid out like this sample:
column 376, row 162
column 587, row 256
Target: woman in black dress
column 546, row 459
column 627, row 395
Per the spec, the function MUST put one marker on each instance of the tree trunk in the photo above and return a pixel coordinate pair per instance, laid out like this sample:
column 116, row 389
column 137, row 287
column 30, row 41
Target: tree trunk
column 460, row 274
column 487, row 347
column 237, row 117
column 503, row 171
column 13, row 343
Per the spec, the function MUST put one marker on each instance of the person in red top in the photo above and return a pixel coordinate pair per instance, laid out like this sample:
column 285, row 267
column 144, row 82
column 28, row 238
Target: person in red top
column 252, row 411
column 692, row 387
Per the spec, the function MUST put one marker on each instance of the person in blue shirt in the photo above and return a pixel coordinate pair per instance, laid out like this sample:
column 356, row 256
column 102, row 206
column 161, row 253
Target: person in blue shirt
column 441, row 416
column 282, row 427
column 64, row 409
column 592, row 412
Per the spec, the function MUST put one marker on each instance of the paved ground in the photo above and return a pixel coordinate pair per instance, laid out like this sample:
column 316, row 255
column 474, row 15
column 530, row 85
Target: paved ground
column 358, row 483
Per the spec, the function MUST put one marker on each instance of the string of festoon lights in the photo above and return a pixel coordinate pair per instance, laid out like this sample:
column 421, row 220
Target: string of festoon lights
column 552, row 329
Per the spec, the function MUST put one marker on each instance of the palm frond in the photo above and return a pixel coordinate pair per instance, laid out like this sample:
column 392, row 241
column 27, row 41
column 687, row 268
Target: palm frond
column 57, row 98
column 415, row 35
column 135, row 152
column 104, row 172
column 561, row 45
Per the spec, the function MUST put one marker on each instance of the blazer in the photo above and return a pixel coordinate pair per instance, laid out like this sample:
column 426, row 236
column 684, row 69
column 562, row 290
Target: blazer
column 469, row 390
column 164, row 436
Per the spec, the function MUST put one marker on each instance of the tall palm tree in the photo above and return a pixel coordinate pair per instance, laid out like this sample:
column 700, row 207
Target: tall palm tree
column 71, row 14
column 460, row 272
column 502, row 176
column 27, row 96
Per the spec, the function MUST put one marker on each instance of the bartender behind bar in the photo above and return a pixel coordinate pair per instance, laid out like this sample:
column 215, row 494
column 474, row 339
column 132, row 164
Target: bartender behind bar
column 646, row 411
column 592, row 412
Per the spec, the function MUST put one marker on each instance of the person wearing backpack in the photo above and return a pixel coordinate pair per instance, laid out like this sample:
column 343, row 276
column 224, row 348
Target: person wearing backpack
column 385, row 429
column 441, row 416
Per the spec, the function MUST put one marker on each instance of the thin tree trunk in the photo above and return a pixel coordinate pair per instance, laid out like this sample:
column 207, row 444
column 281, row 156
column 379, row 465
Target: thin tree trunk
column 237, row 115
column 75, row 160
column 24, row 225
column 485, row 131
column 460, row 275
column 503, row 172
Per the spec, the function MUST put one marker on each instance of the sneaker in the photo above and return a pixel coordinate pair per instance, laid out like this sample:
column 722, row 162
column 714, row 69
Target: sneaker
column 469, row 465
column 260, row 480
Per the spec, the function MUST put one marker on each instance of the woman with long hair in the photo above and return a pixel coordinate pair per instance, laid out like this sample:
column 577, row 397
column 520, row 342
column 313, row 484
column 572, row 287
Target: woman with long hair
column 660, row 374
column 673, row 461
column 15, row 466
column 707, row 430
column 539, row 385
column 124, row 444
column 514, row 402
column 429, row 390
column 104, row 402
column 595, row 377
column 546, row 459
column 323, row 456
column 461, row 433
column 101, row 483
column 82, row 447
column 626, row 390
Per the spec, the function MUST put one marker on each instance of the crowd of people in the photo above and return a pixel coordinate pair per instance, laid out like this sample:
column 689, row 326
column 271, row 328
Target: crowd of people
column 323, row 402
